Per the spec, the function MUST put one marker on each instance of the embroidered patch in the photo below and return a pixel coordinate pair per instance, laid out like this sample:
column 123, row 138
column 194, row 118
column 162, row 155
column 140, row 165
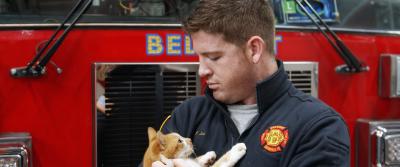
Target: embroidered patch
column 200, row 133
column 275, row 138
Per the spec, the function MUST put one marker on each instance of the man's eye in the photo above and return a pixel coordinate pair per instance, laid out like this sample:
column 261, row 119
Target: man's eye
column 214, row 58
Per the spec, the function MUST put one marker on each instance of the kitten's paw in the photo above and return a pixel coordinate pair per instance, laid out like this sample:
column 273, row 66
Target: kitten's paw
column 167, row 162
column 230, row 158
column 237, row 152
column 207, row 159
column 239, row 148
column 211, row 156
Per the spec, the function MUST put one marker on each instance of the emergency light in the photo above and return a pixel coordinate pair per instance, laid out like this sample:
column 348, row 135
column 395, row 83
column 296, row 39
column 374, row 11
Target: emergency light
column 10, row 161
column 392, row 151
column 378, row 143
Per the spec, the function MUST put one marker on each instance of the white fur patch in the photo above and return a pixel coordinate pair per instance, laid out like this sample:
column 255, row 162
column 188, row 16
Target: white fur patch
column 187, row 148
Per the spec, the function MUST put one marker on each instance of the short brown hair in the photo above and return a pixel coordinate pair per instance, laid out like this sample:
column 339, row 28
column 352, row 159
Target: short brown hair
column 236, row 20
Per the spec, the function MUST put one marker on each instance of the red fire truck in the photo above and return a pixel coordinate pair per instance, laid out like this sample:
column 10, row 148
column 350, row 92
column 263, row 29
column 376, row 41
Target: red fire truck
column 345, row 52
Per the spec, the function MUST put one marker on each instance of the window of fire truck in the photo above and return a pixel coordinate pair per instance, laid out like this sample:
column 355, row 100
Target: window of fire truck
column 101, row 11
column 353, row 14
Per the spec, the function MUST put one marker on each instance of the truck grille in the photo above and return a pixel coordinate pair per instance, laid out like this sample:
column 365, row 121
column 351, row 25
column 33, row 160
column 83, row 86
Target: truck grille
column 303, row 76
column 141, row 96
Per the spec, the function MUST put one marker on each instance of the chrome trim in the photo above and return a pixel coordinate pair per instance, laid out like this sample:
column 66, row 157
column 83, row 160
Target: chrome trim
column 17, row 145
column 305, row 65
column 177, row 25
column 389, row 76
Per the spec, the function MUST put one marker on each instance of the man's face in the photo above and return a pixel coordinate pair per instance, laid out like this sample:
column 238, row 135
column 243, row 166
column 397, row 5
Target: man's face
column 226, row 67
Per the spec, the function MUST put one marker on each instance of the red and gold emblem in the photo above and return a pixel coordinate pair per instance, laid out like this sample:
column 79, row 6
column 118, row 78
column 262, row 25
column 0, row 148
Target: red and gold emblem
column 275, row 138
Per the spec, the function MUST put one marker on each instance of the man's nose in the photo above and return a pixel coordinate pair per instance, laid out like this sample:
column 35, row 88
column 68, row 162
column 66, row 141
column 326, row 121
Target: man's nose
column 204, row 70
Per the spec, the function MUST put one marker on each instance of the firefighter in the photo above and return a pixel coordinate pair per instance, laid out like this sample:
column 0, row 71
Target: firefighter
column 249, row 98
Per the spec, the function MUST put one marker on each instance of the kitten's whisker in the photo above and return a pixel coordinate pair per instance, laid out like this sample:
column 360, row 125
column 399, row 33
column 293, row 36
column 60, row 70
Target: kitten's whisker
column 194, row 154
column 194, row 148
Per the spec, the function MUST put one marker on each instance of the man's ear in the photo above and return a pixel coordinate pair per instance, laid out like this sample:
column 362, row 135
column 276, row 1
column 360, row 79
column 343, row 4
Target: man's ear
column 255, row 46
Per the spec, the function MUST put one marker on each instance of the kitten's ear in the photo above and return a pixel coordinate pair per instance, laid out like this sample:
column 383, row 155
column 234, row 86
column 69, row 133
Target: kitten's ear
column 161, row 139
column 151, row 133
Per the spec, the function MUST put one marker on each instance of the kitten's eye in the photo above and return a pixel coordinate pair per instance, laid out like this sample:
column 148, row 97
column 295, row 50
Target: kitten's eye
column 180, row 141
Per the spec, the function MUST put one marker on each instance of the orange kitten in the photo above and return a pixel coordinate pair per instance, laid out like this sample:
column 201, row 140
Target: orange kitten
column 169, row 145
column 165, row 147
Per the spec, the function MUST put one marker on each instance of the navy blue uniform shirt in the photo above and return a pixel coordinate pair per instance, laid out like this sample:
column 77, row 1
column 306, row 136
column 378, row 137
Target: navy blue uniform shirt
column 292, row 129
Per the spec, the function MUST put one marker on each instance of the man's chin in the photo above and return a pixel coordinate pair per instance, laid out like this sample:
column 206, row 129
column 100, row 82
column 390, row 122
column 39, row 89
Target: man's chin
column 220, row 97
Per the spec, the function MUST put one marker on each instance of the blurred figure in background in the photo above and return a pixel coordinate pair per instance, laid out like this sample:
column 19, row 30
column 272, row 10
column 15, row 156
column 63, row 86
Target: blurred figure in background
column 101, row 74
